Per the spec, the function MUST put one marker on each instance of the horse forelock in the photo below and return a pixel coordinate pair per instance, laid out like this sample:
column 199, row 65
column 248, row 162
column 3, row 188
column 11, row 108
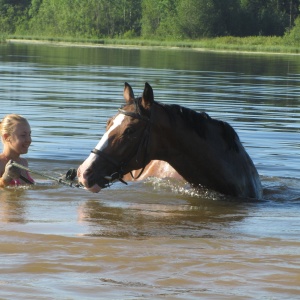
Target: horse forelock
column 136, row 104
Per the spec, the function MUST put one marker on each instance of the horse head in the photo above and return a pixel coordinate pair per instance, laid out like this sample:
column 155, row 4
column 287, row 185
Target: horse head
column 124, row 146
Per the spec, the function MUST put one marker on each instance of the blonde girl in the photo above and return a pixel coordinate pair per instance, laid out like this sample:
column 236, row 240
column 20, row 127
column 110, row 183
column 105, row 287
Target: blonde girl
column 16, row 138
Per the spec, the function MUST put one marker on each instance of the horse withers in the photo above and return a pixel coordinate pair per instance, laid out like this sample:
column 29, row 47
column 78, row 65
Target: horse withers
column 206, row 152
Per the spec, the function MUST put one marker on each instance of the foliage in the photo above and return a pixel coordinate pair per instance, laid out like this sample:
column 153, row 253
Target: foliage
column 11, row 14
column 159, row 19
column 201, row 18
column 293, row 36
column 264, row 17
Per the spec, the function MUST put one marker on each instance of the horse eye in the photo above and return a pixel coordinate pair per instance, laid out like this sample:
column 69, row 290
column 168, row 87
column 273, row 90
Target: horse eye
column 128, row 131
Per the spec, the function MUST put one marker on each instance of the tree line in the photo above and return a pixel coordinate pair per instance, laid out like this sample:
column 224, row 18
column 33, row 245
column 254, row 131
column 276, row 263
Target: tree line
column 160, row 19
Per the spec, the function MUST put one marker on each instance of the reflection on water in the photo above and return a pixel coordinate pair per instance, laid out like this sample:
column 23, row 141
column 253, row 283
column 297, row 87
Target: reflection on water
column 150, row 214
column 156, row 239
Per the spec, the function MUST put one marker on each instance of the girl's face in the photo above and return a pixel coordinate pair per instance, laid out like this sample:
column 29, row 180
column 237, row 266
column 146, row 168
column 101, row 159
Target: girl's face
column 20, row 139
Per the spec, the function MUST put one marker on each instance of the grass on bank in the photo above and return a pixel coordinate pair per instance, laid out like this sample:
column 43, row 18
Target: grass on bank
column 228, row 43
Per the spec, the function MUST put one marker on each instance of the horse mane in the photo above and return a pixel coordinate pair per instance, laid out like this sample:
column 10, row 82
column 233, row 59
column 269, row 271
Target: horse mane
column 199, row 122
column 196, row 121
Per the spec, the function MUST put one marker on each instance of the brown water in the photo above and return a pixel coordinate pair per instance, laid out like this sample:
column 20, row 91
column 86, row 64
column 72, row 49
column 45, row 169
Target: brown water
column 157, row 239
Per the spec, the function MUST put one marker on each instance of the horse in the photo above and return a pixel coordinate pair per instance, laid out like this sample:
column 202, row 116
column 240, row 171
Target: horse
column 206, row 152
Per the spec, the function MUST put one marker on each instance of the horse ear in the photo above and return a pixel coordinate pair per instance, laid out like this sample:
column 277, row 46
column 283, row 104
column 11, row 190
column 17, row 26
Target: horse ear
column 128, row 92
column 148, row 96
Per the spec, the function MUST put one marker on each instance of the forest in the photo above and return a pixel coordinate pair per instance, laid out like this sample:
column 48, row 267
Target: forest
column 155, row 19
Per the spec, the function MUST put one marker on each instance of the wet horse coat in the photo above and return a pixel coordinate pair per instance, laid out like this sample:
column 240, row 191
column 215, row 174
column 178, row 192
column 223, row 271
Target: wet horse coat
column 204, row 151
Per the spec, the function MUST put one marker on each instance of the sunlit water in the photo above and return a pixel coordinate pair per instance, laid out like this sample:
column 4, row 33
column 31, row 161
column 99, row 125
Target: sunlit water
column 157, row 239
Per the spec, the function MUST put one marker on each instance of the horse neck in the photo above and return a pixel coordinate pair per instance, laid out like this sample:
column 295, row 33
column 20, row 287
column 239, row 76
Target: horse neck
column 206, row 152
column 172, row 140
column 197, row 157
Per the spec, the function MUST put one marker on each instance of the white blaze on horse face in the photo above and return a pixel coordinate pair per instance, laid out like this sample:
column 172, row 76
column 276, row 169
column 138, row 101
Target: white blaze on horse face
column 103, row 143
column 104, row 140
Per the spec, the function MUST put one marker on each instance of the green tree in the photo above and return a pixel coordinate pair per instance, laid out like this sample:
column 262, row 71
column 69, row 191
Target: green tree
column 293, row 36
column 151, row 16
column 12, row 13
column 290, row 8
column 196, row 18
column 85, row 18
column 168, row 25
column 263, row 17
column 228, row 21
column 132, row 14
column 203, row 18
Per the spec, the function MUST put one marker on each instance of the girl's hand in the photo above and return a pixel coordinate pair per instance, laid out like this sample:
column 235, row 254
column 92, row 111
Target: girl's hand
column 11, row 172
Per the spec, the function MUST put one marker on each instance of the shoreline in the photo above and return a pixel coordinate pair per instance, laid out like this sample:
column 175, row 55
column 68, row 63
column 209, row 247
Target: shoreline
column 138, row 47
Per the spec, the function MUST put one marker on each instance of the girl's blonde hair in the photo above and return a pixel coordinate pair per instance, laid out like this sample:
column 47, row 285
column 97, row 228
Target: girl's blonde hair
column 9, row 122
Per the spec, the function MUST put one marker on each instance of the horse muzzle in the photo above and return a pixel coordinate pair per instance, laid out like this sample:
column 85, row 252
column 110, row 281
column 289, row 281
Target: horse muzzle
column 94, row 183
column 88, row 179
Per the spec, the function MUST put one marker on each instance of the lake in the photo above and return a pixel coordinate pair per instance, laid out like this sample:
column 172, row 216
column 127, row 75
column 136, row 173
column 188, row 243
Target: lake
column 156, row 239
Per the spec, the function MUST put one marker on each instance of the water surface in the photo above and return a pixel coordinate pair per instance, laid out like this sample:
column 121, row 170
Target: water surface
column 157, row 239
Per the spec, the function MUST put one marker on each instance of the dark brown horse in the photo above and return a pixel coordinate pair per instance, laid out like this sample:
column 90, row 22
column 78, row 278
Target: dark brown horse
column 204, row 151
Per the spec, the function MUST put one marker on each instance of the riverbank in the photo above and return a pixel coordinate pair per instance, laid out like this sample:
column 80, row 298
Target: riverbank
column 261, row 45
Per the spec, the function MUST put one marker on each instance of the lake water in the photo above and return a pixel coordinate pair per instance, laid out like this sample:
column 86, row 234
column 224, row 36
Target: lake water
column 156, row 239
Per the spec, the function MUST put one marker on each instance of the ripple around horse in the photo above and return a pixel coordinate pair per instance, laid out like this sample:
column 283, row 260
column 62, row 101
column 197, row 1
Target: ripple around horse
column 151, row 136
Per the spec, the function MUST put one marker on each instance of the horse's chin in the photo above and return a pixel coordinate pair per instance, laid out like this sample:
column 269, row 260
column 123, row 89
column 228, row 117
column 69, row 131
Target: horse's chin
column 94, row 189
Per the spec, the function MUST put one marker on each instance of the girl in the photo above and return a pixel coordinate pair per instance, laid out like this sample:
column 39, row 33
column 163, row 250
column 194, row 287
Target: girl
column 16, row 138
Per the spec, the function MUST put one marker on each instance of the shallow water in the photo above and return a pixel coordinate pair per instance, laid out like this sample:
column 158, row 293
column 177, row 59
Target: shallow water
column 157, row 239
